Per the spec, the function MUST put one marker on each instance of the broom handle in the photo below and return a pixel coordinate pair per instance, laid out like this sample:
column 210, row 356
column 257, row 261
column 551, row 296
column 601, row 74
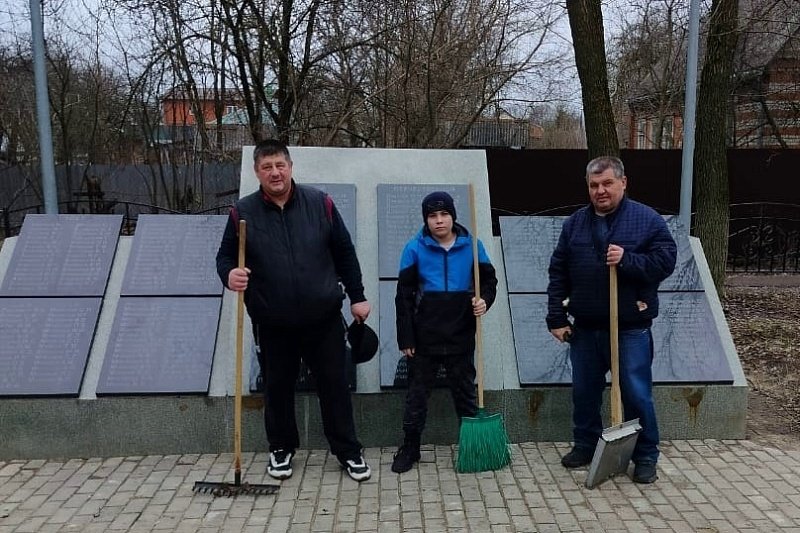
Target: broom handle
column 477, row 281
column 237, row 404
column 616, row 397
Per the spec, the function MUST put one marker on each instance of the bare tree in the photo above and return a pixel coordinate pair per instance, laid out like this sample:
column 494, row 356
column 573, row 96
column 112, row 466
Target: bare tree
column 710, row 159
column 586, row 25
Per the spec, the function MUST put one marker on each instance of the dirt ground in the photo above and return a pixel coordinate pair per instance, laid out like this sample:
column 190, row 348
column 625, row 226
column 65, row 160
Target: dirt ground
column 764, row 319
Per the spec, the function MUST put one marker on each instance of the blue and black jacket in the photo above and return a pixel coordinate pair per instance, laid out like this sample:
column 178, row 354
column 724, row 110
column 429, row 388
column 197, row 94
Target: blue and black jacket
column 434, row 294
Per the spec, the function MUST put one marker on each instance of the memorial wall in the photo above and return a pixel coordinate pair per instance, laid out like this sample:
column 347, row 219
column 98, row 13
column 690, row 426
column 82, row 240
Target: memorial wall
column 124, row 345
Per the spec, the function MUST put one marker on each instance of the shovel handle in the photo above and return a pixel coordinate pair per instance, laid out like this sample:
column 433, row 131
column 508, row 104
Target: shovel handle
column 616, row 396
column 477, row 282
column 237, row 404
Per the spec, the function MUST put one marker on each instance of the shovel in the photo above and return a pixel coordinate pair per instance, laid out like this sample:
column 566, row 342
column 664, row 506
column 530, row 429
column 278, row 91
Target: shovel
column 219, row 488
column 615, row 446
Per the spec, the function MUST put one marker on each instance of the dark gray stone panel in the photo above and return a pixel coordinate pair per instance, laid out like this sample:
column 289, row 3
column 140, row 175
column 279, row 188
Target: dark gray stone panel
column 541, row 359
column 62, row 255
column 687, row 345
column 344, row 198
column 688, row 348
column 686, row 276
column 174, row 255
column 161, row 345
column 400, row 218
column 528, row 243
column 44, row 344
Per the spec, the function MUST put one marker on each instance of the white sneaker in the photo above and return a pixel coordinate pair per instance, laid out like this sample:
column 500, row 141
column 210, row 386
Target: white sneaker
column 358, row 470
column 280, row 464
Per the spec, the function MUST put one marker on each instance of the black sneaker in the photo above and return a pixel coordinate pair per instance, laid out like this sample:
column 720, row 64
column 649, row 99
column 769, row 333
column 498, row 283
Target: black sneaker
column 357, row 469
column 644, row 473
column 577, row 458
column 405, row 458
column 280, row 464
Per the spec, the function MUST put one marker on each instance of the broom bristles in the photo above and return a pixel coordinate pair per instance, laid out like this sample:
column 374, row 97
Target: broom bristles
column 483, row 444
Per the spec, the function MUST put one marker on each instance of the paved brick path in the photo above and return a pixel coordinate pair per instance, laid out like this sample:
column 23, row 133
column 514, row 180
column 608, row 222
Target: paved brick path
column 704, row 486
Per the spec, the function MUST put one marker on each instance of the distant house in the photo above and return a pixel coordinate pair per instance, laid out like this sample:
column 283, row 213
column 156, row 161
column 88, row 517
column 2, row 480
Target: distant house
column 179, row 121
column 765, row 106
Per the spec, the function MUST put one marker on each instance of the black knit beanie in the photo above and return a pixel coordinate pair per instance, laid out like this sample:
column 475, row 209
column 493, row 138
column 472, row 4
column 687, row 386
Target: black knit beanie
column 438, row 201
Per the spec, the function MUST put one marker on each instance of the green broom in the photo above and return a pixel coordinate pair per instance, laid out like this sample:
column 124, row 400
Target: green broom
column 482, row 442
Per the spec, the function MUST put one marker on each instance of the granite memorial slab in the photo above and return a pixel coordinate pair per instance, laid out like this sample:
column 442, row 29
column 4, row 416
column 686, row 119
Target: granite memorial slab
column 62, row 255
column 400, row 218
column 174, row 255
column 161, row 345
column 528, row 243
column 44, row 344
column 687, row 346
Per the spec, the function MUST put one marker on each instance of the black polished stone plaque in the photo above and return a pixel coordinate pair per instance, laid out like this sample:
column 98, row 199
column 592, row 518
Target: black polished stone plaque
column 686, row 342
column 62, row 255
column 161, row 345
column 394, row 370
column 541, row 359
column 528, row 244
column 174, row 255
column 344, row 197
column 687, row 345
column 400, row 218
column 44, row 344
column 686, row 276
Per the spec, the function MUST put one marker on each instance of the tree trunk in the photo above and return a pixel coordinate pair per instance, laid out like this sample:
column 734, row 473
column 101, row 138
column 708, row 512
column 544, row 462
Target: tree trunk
column 586, row 24
column 711, row 194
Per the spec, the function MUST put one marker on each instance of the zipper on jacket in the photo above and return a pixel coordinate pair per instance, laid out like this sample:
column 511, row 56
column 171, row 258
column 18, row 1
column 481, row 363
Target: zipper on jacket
column 289, row 247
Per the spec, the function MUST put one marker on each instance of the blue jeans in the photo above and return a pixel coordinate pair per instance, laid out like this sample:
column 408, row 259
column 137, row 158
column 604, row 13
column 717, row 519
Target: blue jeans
column 590, row 356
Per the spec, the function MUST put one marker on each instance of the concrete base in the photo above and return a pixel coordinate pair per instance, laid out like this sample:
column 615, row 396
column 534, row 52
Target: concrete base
column 121, row 426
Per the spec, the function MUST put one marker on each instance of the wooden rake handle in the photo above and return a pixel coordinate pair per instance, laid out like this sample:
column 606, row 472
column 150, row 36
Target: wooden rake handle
column 237, row 404
column 477, row 282
column 616, row 395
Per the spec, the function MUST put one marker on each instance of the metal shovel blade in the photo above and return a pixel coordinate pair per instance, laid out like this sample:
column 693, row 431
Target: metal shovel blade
column 613, row 452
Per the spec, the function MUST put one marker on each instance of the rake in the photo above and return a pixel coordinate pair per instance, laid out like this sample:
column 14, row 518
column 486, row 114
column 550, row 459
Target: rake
column 221, row 488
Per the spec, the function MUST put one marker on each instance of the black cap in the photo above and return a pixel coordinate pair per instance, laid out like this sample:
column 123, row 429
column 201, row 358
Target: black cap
column 363, row 342
column 438, row 201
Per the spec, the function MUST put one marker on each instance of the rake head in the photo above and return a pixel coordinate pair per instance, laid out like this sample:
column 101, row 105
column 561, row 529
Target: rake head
column 233, row 489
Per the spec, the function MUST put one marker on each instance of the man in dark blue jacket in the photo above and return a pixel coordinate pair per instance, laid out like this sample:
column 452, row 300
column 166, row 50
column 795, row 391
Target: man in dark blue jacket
column 298, row 249
column 436, row 308
column 612, row 230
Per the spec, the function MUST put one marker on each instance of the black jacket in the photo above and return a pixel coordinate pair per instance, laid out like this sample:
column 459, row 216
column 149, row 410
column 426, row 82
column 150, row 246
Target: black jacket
column 297, row 256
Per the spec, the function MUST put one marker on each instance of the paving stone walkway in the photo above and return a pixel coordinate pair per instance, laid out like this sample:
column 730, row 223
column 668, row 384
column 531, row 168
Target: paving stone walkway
column 704, row 486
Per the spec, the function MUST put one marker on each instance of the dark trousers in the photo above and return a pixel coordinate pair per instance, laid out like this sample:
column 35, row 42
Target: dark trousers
column 590, row 357
column 322, row 347
column 422, row 371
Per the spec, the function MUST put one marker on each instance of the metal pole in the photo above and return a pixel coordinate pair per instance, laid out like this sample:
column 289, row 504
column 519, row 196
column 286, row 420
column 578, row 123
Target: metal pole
column 43, row 111
column 689, row 112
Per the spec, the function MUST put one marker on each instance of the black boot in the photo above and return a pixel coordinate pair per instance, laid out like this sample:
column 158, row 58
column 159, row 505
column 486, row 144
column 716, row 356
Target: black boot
column 407, row 455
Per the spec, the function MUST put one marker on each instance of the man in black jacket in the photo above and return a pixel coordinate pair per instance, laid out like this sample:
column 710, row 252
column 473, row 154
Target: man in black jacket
column 298, row 250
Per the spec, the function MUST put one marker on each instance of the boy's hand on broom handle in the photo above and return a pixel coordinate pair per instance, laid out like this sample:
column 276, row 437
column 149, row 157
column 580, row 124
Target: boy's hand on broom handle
column 408, row 352
column 478, row 306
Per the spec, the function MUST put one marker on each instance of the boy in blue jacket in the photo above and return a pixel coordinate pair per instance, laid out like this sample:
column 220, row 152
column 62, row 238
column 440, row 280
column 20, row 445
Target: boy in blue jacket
column 436, row 309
